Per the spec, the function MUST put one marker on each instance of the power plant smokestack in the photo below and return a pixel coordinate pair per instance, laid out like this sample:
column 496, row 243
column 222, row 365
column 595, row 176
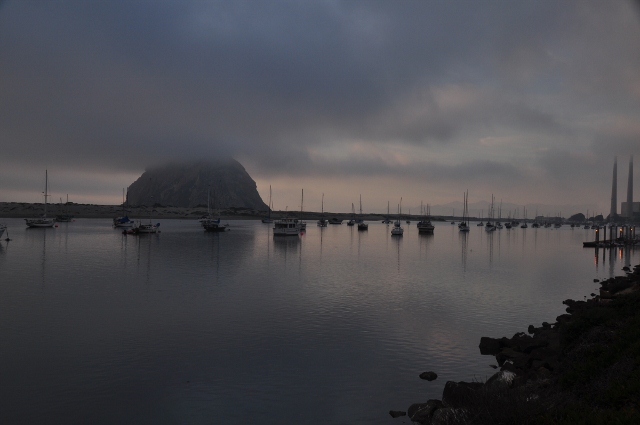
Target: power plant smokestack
column 630, row 190
column 614, row 191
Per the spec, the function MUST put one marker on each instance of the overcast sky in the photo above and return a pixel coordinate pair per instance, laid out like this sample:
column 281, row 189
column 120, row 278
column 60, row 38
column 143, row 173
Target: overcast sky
column 528, row 100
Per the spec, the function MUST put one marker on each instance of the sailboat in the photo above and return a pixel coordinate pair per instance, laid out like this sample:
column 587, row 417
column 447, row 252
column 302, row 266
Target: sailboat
column 387, row 220
column 323, row 221
column 464, row 224
column 425, row 225
column 397, row 229
column 352, row 220
column 268, row 219
column 490, row 227
column 65, row 217
column 43, row 221
column 303, row 224
column 361, row 224
column 213, row 224
column 524, row 224
column 123, row 221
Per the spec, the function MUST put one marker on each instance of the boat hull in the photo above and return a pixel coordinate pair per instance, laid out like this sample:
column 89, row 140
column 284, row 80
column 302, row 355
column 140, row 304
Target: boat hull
column 39, row 222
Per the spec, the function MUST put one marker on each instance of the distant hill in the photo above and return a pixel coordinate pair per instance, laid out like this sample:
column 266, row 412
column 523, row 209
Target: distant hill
column 185, row 184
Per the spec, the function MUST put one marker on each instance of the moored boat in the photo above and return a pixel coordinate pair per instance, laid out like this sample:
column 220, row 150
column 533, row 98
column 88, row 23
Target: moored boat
column 286, row 227
column 43, row 221
column 361, row 224
column 397, row 230
column 425, row 225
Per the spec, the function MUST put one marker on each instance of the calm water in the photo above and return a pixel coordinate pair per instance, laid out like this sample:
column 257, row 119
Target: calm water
column 333, row 327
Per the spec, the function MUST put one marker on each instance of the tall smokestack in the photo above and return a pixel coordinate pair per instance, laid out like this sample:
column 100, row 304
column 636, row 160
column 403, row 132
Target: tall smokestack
column 630, row 190
column 614, row 190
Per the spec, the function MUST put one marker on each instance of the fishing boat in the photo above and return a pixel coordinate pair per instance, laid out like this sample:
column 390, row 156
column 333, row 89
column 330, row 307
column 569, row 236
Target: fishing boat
column 425, row 225
column 43, row 221
column 323, row 221
column 268, row 219
column 361, row 224
column 123, row 221
column 397, row 229
column 286, row 227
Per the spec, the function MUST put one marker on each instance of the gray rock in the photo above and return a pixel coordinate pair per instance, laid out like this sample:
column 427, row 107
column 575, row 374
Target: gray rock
column 428, row 376
column 422, row 412
column 186, row 184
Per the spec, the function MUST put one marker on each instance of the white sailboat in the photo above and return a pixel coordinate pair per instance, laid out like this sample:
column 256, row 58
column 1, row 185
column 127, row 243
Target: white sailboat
column 43, row 221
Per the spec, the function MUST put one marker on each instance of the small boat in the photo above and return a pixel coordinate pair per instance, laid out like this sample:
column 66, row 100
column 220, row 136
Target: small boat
column 286, row 227
column 303, row 224
column 425, row 225
column 214, row 226
column 490, row 227
column 323, row 221
column 352, row 220
column 335, row 220
column 43, row 221
column 361, row 224
column 209, row 223
column 397, row 229
column 464, row 224
column 124, row 220
column 65, row 217
column 387, row 220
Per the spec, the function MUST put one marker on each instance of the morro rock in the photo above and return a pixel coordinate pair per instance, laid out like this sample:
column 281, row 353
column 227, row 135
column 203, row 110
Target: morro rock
column 186, row 184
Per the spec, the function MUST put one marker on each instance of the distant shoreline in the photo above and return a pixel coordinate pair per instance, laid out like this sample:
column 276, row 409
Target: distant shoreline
column 31, row 210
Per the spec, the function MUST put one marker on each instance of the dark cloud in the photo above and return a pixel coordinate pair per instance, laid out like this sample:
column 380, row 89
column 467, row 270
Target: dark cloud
column 121, row 85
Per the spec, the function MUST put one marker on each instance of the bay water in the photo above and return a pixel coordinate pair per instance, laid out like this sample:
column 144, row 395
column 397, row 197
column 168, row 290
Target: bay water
column 330, row 327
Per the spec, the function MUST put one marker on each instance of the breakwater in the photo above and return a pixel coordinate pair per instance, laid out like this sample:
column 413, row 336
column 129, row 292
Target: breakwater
column 583, row 368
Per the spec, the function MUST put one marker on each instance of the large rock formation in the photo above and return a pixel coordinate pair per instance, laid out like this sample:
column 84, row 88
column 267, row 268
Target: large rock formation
column 186, row 184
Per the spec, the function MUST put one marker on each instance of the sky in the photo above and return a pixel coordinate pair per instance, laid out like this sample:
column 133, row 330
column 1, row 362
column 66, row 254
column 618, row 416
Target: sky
column 528, row 101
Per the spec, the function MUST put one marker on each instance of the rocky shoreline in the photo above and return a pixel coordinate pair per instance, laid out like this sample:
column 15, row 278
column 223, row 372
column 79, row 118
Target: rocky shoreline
column 584, row 368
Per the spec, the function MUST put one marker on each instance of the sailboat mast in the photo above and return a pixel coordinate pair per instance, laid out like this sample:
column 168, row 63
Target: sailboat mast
column 46, row 193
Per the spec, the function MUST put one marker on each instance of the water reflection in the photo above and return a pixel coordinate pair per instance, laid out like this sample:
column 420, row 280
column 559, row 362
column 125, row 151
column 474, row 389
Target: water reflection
column 463, row 237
